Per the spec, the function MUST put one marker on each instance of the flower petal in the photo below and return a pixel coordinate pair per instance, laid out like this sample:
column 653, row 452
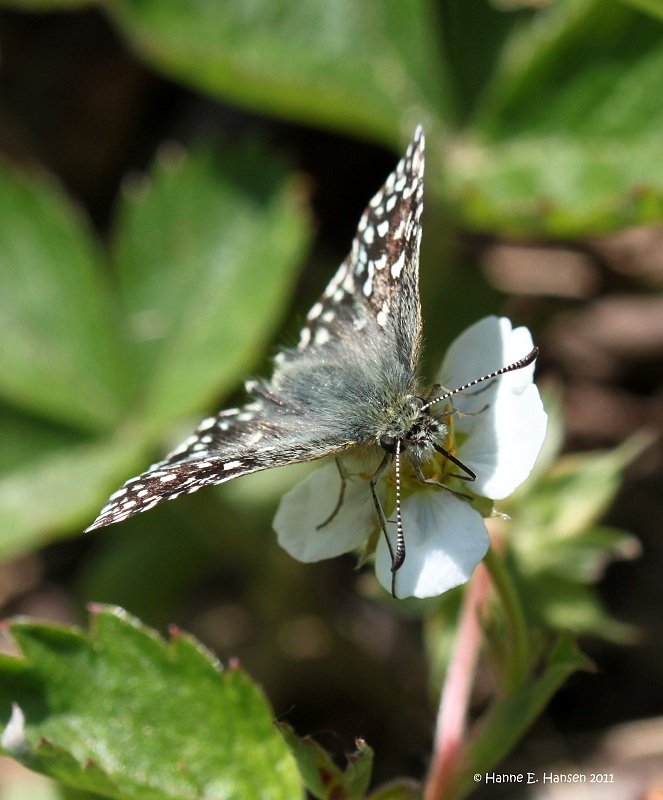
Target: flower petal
column 311, row 502
column 505, row 443
column 486, row 346
column 445, row 539
column 505, row 435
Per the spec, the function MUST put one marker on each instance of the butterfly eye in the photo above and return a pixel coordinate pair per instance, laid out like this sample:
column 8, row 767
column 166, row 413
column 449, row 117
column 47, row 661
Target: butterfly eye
column 388, row 443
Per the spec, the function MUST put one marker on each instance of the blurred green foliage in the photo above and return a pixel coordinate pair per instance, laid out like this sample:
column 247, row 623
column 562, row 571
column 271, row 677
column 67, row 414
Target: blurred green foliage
column 538, row 149
column 555, row 546
column 117, row 361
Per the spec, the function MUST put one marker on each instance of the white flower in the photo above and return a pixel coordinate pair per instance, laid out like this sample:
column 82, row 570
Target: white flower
column 498, row 436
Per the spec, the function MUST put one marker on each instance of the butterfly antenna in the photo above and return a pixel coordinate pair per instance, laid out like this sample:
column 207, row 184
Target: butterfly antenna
column 399, row 555
column 520, row 364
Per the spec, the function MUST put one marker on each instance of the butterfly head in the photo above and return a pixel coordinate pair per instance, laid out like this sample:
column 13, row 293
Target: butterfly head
column 417, row 430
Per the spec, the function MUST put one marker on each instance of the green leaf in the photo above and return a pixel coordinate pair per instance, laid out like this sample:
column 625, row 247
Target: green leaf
column 468, row 29
column 582, row 557
column 61, row 490
column 567, row 137
column 67, row 793
column 25, row 438
column 577, row 491
column 554, row 185
column 122, row 713
column 364, row 66
column 510, row 716
column 582, row 67
column 558, row 546
column 653, row 7
column 60, row 348
column 564, row 604
column 207, row 249
column 323, row 779
column 402, row 789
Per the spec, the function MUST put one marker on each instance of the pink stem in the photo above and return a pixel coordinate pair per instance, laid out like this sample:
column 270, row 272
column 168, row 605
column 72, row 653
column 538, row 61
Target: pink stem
column 452, row 714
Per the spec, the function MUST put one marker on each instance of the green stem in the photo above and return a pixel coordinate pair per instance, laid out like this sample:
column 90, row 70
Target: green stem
column 518, row 663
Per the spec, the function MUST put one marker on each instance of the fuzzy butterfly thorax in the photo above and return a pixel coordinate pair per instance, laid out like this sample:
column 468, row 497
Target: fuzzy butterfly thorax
column 416, row 429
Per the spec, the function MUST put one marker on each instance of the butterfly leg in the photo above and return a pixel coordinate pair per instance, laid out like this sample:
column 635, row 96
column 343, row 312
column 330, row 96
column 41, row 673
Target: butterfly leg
column 432, row 482
column 398, row 554
column 341, row 497
column 469, row 475
column 456, row 412
column 453, row 411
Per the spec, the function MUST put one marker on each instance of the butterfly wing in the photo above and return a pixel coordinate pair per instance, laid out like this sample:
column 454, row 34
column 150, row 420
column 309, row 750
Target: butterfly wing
column 379, row 280
column 237, row 441
column 321, row 397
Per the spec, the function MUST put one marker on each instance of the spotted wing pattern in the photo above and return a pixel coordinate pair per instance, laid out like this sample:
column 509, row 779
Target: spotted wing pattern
column 370, row 308
column 379, row 279
column 237, row 441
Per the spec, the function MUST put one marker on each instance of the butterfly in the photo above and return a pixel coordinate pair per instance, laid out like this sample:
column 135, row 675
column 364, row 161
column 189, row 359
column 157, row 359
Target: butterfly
column 350, row 385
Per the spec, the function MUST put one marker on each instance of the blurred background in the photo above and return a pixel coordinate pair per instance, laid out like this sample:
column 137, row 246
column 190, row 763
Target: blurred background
column 178, row 183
